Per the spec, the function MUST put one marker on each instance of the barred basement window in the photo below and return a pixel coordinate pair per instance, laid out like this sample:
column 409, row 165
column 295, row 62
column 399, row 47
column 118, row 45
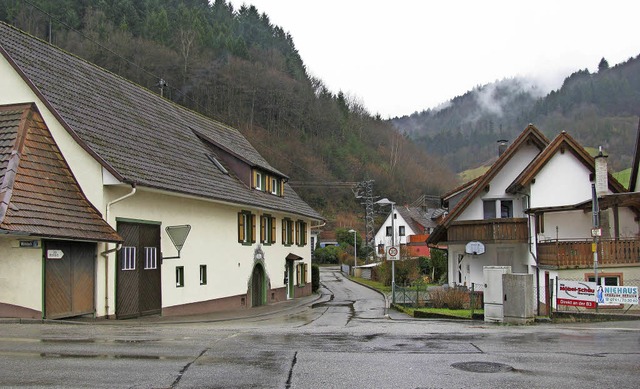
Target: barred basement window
column 150, row 258
column 128, row 255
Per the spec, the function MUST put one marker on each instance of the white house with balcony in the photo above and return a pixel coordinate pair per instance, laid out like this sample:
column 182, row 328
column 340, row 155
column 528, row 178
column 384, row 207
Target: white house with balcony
column 532, row 211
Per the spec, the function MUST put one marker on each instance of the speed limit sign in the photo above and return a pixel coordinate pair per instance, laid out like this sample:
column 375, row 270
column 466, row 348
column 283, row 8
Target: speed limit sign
column 392, row 253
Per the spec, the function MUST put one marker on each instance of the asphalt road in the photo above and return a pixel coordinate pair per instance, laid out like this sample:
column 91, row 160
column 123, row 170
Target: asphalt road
column 350, row 341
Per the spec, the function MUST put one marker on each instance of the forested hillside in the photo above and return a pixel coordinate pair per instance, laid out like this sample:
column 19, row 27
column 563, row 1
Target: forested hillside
column 598, row 109
column 236, row 66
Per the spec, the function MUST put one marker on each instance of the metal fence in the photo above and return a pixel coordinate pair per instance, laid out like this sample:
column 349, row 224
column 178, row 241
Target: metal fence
column 423, row 295
column 613, row 309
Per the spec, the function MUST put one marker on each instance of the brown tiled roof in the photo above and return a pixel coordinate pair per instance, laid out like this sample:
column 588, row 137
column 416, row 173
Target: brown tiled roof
column 137, row 135
column 418, row 219
column 38, row 193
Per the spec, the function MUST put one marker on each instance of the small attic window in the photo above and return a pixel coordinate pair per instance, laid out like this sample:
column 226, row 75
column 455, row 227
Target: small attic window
column 218, row 164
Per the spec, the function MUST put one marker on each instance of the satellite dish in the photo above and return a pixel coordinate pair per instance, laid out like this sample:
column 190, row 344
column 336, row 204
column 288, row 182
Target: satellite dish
column 475, row 248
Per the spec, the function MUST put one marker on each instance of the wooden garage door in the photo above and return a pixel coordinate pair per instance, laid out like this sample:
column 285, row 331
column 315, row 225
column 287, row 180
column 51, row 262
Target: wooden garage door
column 138, row 289
column 69, row 278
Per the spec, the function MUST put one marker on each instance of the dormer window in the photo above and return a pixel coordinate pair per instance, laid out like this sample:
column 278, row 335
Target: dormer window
column 257, row 181
column 268, row 183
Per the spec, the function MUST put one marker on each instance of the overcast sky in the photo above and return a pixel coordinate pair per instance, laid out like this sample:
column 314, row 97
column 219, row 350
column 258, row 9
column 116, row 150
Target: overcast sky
column 401, row 56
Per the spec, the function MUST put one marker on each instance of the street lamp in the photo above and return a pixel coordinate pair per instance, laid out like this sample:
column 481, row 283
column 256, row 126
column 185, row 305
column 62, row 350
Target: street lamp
column 355, row 257
column 386, row 201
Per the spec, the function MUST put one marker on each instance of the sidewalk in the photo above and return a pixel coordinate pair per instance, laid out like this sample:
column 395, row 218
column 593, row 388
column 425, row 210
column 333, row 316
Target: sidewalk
column 262, row 311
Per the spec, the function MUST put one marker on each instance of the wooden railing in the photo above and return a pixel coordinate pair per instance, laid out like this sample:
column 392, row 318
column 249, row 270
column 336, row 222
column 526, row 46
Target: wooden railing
column 579, row 254
column 489, row 231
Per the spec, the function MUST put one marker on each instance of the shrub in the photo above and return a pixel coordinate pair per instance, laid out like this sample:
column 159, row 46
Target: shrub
column 437, row 297
column 452, row 298
column 455, row 298
column 315, row 278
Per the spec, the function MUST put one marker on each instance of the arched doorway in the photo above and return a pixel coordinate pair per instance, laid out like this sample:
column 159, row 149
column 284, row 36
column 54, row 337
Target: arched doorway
column 258, row 286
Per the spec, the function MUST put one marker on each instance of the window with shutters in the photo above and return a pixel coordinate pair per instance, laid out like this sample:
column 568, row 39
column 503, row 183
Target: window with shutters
column 274, row 186
column 258, row 180
column 268, row 183
column 287, row 231
column 301, row 233
column 301, row 272
column 246, row 227
column 267, row 229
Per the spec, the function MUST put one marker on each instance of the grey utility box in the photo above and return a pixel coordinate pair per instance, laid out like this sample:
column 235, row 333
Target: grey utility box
column 493, row 292
column 518, row 298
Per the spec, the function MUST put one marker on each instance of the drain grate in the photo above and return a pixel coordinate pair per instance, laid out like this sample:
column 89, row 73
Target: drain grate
column 482, row 367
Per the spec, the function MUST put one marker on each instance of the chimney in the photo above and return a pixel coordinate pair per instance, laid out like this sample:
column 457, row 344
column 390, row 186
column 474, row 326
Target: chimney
column 602, row 178
column 502, row 146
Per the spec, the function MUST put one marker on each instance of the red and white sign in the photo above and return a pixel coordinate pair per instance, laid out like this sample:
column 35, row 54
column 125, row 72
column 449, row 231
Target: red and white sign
column 392, row 253
column 576, row 293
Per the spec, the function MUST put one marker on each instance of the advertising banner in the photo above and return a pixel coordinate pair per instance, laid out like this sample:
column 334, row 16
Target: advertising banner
column 613, row 295
column 576, row 293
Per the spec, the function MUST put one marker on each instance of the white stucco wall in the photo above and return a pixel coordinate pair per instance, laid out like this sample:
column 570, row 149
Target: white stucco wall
column 20, row 274
column 515, row 255
column 499, row 184
column 629, row 226
column 213, row 241
column 566, row 225
column 87, row 171
column 562, row 181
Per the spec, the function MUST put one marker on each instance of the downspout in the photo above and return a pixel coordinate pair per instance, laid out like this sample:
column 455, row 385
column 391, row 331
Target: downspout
column 105, row 254
column 535, row 258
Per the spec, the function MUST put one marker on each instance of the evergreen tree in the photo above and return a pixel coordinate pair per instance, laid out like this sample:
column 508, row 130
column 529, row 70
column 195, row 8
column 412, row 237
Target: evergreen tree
column 603, row 65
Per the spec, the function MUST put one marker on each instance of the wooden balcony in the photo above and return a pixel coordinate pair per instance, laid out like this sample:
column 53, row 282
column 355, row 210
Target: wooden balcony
column 578, row 254
column 489, row 231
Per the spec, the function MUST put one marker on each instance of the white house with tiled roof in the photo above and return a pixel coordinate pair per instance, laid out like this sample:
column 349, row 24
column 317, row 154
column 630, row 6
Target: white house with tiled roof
column 532, row 211
column 412, row 225
column 152, row 168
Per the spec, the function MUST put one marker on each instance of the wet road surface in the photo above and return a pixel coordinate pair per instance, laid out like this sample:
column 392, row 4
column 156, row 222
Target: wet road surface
column 346, row 342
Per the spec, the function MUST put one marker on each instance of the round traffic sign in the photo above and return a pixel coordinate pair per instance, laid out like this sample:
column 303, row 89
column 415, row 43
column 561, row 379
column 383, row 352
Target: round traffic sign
column 393, row 251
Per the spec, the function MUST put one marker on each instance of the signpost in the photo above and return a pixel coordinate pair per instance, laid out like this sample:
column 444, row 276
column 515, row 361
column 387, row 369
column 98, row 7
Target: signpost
column 392, row 254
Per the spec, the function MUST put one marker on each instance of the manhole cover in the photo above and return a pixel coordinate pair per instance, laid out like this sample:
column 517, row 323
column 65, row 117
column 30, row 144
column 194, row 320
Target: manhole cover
column 482, row 367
